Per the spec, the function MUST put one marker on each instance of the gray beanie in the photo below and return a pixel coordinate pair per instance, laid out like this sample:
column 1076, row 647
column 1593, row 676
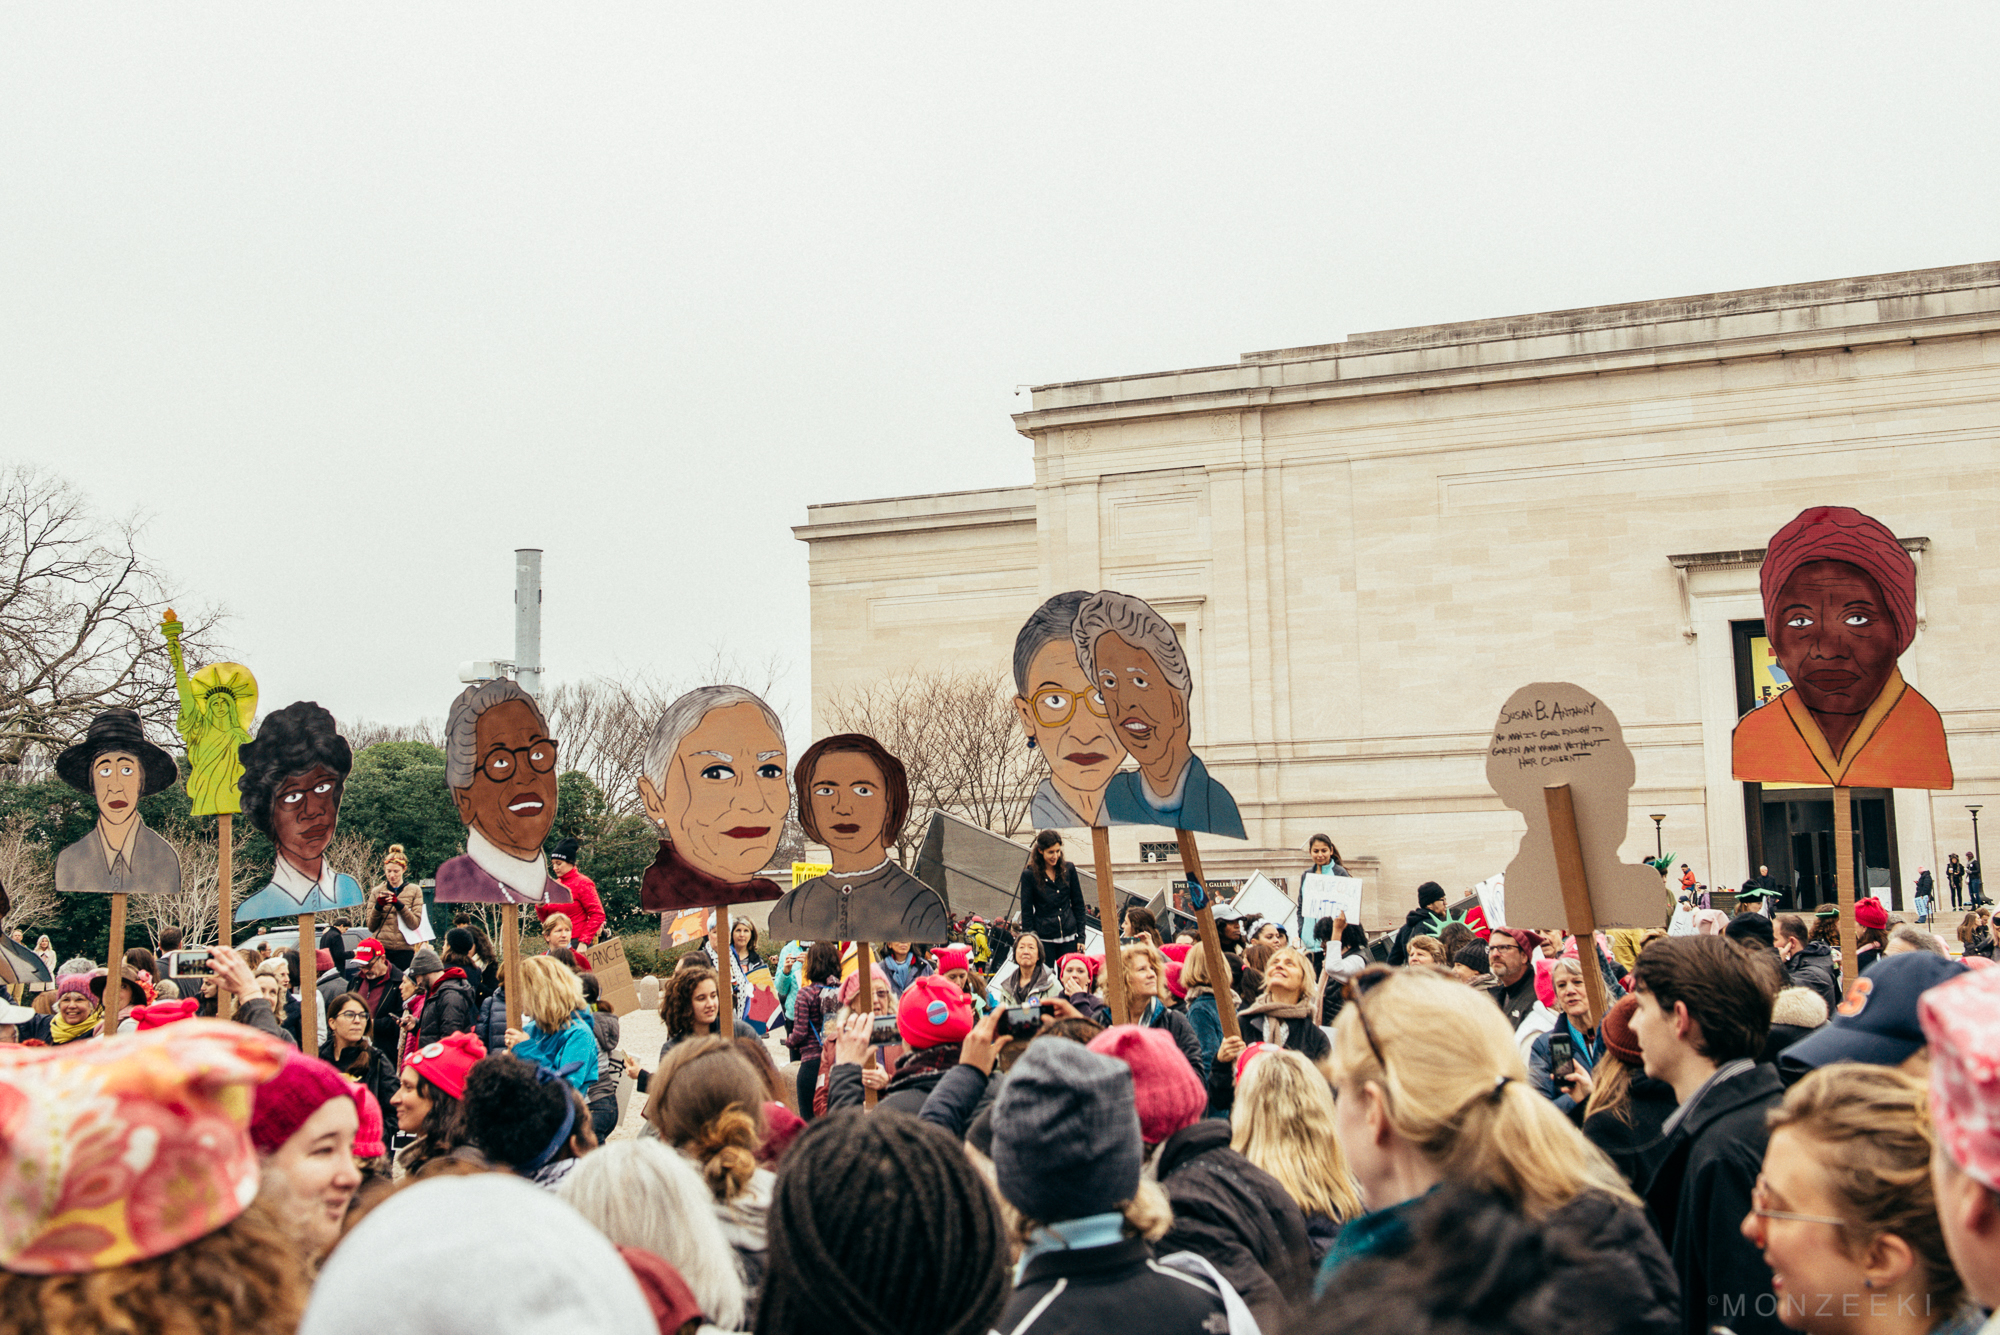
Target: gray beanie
column 1066, row 1133
column 425, row 961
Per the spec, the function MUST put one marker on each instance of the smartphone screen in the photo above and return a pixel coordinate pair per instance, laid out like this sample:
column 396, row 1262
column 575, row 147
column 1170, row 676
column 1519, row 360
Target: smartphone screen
column 1562, row 1051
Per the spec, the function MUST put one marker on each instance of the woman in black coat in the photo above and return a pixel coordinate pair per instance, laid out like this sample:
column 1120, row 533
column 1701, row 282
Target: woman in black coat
column 350, row 1046
column 1052, row 897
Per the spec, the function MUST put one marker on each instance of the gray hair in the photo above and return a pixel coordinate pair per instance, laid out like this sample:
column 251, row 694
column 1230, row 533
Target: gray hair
column 1053, row 620
column 461, row 728
column 1918, row 938
column 684, row 715
column 639, row 1193
column 77, row 965
column 1135, row 622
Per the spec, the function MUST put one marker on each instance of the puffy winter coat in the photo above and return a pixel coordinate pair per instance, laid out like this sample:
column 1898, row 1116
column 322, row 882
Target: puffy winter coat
column 1237, row 1216
column 449, row 1008
column 1814, row 968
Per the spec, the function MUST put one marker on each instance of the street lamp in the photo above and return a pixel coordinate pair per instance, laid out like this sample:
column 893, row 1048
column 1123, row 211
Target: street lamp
column 1659, row 849
column 1975, row 853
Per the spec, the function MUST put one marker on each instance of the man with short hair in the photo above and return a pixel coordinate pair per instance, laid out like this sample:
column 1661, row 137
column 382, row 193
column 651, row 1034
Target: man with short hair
column 1704, row 1013
column 1507, row 953
column 1961, row 1023
column 1431, row 902
column 381, row 988
column 1808, row 963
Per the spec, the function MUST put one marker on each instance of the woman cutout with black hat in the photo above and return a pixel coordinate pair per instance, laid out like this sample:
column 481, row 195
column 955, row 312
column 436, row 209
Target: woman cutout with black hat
column 117, row 767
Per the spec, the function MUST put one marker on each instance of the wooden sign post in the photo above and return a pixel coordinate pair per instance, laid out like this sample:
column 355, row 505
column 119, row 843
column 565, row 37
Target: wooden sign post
column 1576, row 894
column 1107, row 923
column 864, row 998
column 510, row 960
column 1211, row 940
column 308, row 985
column 725, row 1000
column 114, row 968
column 1843, row 870
column 225, row 1000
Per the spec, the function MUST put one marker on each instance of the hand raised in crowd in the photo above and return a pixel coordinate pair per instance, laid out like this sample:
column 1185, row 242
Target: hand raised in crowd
column 852, row 1044
column 983, row 1044
column 1231, row 1049
column 231, row 973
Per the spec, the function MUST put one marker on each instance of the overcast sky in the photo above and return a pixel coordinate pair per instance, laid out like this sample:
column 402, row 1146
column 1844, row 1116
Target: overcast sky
column 353, row 300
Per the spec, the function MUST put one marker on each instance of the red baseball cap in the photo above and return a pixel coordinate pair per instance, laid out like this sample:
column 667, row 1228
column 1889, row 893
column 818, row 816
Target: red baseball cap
column 369, row 951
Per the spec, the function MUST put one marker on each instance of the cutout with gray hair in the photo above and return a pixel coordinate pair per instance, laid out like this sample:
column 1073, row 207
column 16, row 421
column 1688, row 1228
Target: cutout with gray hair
column 684, row 715
column 1053, row 620
column 1132, row 620
column 461, row 729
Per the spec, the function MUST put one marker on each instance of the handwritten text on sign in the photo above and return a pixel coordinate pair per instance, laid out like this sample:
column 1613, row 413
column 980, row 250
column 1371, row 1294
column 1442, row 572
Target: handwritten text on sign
column 1548, row 733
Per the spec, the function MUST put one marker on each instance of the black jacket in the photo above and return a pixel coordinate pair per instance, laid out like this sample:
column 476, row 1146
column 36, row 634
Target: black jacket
column 1097, row 1289
column 1178, row 1024
column 450, row 1008
column 1268, row 1022
column 1813, row 967
column 1413, row 925
column 1630, row 1143
column 378, row 1073
column 1700, row 1191
column 1053, row 910
column 388, row 1022
column 1237, row 1216
column 1518, row 1000
column 907, row 1091
column 955, row 1099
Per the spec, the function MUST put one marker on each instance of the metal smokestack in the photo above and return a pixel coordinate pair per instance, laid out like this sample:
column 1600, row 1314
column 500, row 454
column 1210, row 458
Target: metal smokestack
column 528, row 619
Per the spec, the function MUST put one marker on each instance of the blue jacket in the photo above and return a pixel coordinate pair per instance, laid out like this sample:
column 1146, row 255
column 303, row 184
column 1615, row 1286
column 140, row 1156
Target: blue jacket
column 1587, row 1053
column 574, row 1043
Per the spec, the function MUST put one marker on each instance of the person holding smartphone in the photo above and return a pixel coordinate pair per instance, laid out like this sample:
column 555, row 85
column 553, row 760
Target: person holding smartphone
column 1562, row 1059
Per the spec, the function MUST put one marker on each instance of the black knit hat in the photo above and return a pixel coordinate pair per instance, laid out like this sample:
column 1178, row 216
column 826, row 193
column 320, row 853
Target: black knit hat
column 116, row 730
column 1746, row 928
column 1429, row 893
column 565, row 851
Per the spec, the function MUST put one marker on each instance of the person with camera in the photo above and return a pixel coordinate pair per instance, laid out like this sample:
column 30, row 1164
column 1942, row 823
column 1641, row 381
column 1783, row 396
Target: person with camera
column 1052, row 897
column 396, row 909
column 1562, row 1059
column 932, row 1018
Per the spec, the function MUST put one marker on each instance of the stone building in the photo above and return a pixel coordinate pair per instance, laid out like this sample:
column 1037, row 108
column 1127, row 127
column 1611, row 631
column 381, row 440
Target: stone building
column 1367, row 545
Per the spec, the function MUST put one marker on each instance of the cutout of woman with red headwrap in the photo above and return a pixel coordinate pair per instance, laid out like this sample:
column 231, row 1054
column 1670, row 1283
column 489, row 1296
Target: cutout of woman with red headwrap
column 1840, row 607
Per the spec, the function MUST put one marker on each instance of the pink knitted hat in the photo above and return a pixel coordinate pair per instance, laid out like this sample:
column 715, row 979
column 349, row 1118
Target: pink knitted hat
column 302, row 1086
column 1961, row 1021
column 1164, row 1085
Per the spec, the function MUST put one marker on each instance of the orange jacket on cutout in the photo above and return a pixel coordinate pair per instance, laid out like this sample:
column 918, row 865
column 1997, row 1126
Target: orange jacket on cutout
column 1898, row 744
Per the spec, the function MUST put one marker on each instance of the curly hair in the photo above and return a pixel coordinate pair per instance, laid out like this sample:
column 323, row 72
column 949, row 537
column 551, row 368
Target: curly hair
column 511, row 1113
column 289, row 743
column 707, row 1100
column 677, row 999
column 245, row 1278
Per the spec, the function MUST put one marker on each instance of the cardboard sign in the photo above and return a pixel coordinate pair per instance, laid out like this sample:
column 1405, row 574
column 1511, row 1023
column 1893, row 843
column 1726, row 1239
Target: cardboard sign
column 1555, row 732
column 500, row 764
column 714, row 784
column 1492, row 893
column 1260, row 897
column 294, row 774
column 689, row 926
column 854, row 797
column 805, row 871
column 115, row 766
column 614, row 975
column 1328, row 896
column 1840, row 597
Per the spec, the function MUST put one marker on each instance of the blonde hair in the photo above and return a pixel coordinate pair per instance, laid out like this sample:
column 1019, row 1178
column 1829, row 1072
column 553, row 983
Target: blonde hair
column 1457, row 1089
column 1283, row 1123
column 550, row 993
column 1430, row 945
column 1194, row 969
column 555, row 918
column 396, row 855
column 1149, row 1214
column 1308, row 976
column 1148, row 951
column 1875, row 1125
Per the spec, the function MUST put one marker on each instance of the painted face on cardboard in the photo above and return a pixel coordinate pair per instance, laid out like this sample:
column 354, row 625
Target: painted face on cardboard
column 1150, row 715
column 1071, row 725
column 304, row 812
column 1835, row 640
column 725, row 799
column 850, row 804
column 512, row 798
column 116, row 780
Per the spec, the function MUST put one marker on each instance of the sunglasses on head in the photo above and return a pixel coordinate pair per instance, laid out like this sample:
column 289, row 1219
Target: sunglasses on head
column 1359, row 986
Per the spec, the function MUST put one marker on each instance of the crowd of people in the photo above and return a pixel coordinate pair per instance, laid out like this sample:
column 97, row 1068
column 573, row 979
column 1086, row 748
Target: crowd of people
column 1438, row 1129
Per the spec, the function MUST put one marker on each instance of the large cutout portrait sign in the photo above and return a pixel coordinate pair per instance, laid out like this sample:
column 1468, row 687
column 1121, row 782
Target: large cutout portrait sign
column 1131, row 655
column 500, row 764
column 1553, row 732
column 1066, row 719
column 116, row 766
column 294, row 775
column 854, row 797
column 217, row 704
column 714, row 783
column 1840, row 607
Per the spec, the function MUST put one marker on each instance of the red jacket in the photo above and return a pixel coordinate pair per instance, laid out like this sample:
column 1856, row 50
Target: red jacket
column 586, row 915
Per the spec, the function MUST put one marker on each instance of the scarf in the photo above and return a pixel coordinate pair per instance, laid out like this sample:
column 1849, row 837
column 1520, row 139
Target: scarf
column 61, row 1032
column 1092, row 1230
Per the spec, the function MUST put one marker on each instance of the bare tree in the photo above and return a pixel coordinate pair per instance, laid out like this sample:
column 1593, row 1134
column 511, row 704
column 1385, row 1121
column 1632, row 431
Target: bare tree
column 364, row 733
column 80, row 608
column 27, row 874
column 957, row 736
column 195, row 907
